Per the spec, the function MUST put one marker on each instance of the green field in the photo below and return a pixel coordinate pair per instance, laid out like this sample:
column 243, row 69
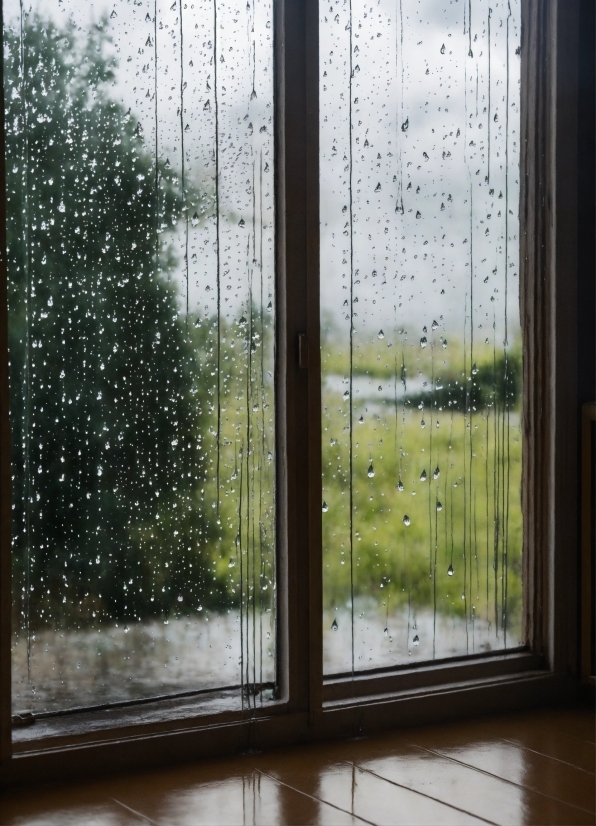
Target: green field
column 450, row 470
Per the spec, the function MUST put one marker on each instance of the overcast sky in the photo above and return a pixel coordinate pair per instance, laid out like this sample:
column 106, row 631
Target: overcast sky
column 434, row 105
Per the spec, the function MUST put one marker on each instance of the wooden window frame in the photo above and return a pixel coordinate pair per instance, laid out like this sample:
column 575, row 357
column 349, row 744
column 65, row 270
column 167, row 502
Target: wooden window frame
column 311, row 707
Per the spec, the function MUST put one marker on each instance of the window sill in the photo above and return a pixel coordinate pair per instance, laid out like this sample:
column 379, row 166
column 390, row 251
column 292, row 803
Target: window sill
column 342, row 687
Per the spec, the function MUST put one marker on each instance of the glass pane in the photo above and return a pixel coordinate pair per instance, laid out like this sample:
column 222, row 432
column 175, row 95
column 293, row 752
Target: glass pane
column 141, row 263
column 421, row 346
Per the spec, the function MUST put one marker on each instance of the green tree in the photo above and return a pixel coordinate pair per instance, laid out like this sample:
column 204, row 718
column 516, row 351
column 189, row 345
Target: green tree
column 108, row 396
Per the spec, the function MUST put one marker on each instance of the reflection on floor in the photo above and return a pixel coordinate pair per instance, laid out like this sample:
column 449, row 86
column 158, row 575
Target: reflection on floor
column 527, row 768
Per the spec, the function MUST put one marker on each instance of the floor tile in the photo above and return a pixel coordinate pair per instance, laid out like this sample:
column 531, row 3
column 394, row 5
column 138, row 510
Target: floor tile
column 474, row 746
column 483, row 795
column 222, row 792
column 44, row 810
column 325, row 774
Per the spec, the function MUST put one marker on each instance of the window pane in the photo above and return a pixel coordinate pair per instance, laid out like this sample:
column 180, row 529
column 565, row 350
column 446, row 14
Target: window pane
column 141, row 276
column 421, row 345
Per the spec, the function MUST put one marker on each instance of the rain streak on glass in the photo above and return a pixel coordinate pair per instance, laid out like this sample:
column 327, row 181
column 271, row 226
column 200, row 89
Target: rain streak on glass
column 421, row 345
column 141, row 266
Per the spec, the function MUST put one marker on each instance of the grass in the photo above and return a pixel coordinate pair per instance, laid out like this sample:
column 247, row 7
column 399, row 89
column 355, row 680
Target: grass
column 468, row 516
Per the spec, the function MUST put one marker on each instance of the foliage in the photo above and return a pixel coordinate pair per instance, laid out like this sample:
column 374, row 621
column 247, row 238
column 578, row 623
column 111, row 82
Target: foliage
column 108, row 397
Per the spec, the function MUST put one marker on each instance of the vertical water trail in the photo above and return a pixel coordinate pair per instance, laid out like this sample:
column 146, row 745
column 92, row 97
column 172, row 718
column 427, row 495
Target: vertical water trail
column 241, row 573
column 486, row 473
column 465, row 531
column 506, row 416
column 471, row 383
column 156, row 94
column 403, row 416
column 217, row 253
column 399, row 202
column 156, row 167
column 249, row 557
column 263, row 450
column 435, row 564
column 254, row 214
column 476, row 545
column 451, row 506
column 490, row 12
column 395, row 443
column 183, row 164
column 477, row 84
column 496, row 478
column 430, row 449
column 351, row 377
column 27, row 370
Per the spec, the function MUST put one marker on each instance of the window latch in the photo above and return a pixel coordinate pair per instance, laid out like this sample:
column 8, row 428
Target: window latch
column 302, row 351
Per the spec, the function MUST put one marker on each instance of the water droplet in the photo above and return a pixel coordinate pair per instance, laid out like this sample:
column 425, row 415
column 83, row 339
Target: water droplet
column 149, row 42
column 361, row 420
column 443, row 49
column 180, row 597
column 450, row 570
column 381, row 334
column 407, row 521
column 194, row 220
column 423, row 341
column 113, row 14
column 231, row 563
column 434, row 325
column 416, row 640
column 378, row 188
column 405, row 125
column 371, row 471
column 444, row 343
column 241, row 222
column 423, row 476
column 325, row 507
column 126, row 629
column 437, row 473
column 386, row 632
column 334, row 625
column 474, row 369
column 439, row 506
column 400, row 486
column 418, row 214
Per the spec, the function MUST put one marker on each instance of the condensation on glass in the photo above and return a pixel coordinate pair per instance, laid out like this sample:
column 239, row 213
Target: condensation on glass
column 421, row 345
column 139, row 149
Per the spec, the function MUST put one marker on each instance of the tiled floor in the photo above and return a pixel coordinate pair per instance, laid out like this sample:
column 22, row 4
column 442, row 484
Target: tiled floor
column 531, row 768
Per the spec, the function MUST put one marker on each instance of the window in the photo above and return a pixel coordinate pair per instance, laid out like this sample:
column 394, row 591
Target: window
column 203, row 430
column 140, row 244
